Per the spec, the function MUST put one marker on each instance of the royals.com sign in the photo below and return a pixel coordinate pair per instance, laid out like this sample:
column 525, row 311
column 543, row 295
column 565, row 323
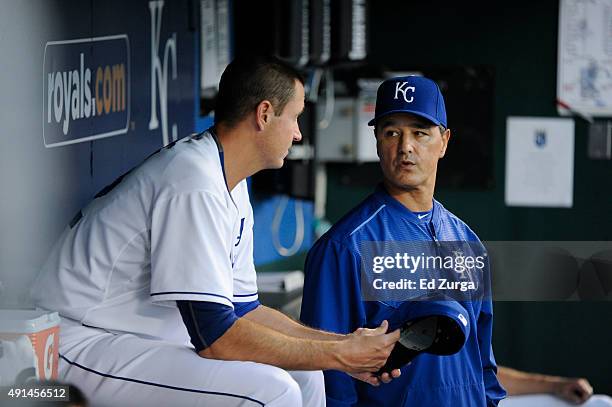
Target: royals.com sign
column 86, row 89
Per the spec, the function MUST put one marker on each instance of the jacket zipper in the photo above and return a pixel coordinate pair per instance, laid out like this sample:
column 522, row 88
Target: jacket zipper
column 432, row 230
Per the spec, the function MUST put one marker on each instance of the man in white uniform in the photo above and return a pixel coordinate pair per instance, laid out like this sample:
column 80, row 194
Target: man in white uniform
column 164, row 257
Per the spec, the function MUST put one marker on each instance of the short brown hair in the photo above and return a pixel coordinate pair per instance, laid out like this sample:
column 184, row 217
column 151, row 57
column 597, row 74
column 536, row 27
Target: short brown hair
column 247, row 81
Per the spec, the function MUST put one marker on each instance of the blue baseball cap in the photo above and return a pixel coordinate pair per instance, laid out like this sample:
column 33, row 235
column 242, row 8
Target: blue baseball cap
column 410, row 94
column 438, row 327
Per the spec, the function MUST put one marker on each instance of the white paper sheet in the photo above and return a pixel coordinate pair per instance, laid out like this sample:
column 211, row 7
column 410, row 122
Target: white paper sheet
column 539, row 162
column 584, row 79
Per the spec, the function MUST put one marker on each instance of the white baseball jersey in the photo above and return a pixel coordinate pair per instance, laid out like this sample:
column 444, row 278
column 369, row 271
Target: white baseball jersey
column 170, row 230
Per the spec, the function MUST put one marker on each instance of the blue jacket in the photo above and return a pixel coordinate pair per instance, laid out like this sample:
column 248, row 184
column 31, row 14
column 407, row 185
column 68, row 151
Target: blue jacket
column 332, row 301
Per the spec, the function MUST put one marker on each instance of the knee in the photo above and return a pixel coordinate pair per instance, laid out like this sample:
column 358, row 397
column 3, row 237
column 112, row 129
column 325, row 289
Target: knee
column 312, row 386
column 285, row 390
column 599, row 401
column 311, row 380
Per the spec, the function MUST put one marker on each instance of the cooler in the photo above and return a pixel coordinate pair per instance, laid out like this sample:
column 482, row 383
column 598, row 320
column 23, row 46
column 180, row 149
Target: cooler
column 29, row 341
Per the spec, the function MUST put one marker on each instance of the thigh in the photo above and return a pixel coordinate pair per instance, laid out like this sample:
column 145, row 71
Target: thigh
column 534, row 400
column 599, row 400
column 545, row 400
column 127, row 370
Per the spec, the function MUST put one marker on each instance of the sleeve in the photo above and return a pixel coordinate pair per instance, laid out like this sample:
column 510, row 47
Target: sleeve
column 493, row 389
column 245, row 278
column 243, row 308
column 205, row 321
column 191, row 234
column 332, row 302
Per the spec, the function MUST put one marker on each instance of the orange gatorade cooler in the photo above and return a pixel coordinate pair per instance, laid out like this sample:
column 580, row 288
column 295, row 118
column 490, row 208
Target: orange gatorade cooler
column 29, row 341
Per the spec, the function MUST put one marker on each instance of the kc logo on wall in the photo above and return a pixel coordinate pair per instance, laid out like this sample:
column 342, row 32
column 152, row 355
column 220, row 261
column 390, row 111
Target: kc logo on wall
column 159, row 73
column 127, row 79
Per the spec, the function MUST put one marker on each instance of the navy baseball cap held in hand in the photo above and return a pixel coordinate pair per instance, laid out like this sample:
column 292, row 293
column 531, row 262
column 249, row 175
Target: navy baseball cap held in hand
column 436, row 327
column 410, row 94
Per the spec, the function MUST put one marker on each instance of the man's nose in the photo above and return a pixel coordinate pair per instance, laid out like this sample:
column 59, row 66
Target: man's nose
column 297, row 135
column 406, row 144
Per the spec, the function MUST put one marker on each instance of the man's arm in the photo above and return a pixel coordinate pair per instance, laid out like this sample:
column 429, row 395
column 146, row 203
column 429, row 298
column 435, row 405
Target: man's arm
column 493, row 389
column 278, row 321
column 517, row 382
column 494, row 392
column 249, row 341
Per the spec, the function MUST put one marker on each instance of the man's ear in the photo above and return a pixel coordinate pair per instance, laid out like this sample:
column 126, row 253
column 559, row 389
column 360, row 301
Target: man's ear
column 376, row 139
column 263, row 114
column 445, row 138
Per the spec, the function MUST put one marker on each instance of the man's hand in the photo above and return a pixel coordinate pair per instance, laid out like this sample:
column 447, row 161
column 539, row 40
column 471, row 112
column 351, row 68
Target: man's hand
column 367, row 350
column 516, row 382
column 374, row 380
column 368, row 377
column 574, row 390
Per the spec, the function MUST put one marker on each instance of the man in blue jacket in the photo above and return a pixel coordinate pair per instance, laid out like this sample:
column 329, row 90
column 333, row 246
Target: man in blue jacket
column 411, row 135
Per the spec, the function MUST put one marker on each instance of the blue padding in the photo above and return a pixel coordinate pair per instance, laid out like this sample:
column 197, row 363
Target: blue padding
column 206, row 321
column 243, row 308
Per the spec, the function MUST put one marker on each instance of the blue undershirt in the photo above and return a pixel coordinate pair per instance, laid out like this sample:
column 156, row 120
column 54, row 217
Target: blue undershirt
column 208, row 321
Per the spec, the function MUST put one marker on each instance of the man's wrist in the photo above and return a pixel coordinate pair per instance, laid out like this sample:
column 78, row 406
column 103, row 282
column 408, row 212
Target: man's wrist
column 331, row 336
column 335, row 349
column 560, row 386
column 551, row 384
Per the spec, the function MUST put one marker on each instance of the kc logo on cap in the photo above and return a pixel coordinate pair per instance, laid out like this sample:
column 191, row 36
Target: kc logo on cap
column 410, row 94
column 402, row 87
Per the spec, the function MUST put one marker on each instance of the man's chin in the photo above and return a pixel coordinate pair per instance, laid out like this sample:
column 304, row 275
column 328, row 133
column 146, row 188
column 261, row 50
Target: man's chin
column 404, row 184
column 277, row 164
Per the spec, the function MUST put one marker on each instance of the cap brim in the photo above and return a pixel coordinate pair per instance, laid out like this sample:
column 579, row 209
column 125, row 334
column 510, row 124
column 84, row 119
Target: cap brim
column 425, row 116
column 412, row 310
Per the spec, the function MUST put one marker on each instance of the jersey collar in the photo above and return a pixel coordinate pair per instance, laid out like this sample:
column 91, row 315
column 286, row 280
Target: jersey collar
column 221, row 156
column 382, row 194
column 212, row 133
